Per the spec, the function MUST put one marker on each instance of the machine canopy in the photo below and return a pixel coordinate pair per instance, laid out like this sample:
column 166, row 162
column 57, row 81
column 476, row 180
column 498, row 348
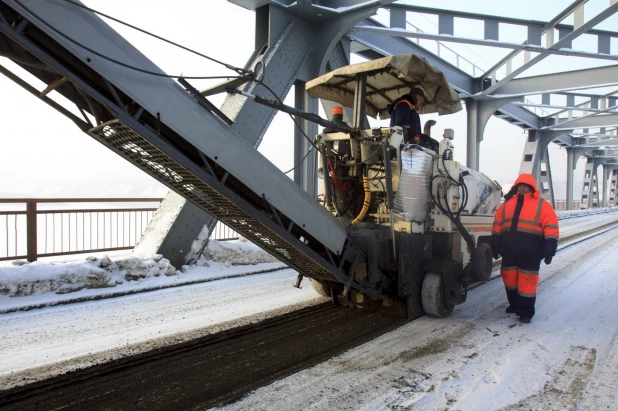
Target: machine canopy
column 388, row 78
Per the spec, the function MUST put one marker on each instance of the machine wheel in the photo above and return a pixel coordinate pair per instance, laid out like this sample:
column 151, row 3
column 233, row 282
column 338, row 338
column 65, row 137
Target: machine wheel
column 482, row 262
column 320, row 288
column 432, row 297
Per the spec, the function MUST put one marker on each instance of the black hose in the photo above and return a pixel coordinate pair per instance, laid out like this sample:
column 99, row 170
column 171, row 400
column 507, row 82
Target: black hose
column 460, row 227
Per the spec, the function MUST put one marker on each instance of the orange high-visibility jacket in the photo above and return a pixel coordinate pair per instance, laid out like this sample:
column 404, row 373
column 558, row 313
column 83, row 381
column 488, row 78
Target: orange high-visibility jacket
column 533, row 231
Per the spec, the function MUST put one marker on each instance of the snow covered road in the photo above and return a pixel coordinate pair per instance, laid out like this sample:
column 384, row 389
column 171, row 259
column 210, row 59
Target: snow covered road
column 481, row 358
column 574, row 225
column 137, row 323
column 45, row 342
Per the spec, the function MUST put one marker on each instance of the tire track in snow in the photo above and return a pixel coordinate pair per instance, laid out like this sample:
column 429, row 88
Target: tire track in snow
column 565, row 390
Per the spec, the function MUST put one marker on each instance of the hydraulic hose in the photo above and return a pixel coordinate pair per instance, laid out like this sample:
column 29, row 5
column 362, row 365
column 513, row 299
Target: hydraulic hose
column 366, row 202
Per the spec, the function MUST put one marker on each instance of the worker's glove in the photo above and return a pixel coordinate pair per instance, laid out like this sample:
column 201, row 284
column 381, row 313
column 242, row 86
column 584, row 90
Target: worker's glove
column 548, row 259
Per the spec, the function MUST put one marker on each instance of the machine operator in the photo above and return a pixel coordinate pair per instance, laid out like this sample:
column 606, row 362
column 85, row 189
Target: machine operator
column 404, row 113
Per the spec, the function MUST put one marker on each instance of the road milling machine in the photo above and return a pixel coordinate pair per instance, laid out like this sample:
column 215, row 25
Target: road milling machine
column 398, row 226
column 421, row 220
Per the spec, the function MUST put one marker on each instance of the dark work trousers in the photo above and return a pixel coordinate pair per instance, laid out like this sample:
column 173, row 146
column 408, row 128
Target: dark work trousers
column 520, row 276
column 521, row 260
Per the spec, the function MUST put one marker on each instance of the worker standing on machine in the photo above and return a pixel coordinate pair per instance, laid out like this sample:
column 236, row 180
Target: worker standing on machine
column 524, row 232
column 404, row 113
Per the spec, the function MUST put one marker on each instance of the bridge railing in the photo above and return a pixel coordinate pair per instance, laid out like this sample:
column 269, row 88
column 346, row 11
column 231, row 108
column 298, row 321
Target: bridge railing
column 31, row 228
column 561, row 205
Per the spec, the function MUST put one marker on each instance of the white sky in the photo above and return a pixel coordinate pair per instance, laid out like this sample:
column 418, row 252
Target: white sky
column 44, row 155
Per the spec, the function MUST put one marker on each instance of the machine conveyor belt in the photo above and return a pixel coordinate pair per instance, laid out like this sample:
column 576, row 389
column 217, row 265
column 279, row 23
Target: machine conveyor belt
column 135, row 148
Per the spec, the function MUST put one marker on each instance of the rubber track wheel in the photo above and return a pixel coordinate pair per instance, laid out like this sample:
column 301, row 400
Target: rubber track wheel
column 431, row 297
column 320, row 288
column 482, row 262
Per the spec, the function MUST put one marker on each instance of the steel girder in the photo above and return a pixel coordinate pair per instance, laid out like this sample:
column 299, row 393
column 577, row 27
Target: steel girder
column 372, row 45
column 536, row 29
column 564, row 42
column 292, row 47
column 564, row 81
column 136, row 137
column 591, row 121
column 279, row 38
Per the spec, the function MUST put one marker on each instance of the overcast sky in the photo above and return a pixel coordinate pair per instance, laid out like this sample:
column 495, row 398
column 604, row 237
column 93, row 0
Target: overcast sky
column 45, row 155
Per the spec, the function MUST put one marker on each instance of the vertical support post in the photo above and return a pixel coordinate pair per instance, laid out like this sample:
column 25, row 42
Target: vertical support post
column 545, row 180
column 472, row 155
column 612, row 188
column 587, row 185
column 604, row 184
column 446, row 25
column 398, row 19
column 478, row 113
column 569, row 178
column 304, row 174
column 359, row 100
column 298, row 137
column 31, row 230
column 595, row 185
column 492, row 30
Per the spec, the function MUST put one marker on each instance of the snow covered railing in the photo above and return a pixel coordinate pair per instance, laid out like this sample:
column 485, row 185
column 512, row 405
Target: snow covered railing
column 100, row 226
column 560, row 205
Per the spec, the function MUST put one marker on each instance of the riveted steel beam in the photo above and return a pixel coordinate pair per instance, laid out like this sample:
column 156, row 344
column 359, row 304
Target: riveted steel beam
column 562, row 81
column 562, row 42
column 604, row 120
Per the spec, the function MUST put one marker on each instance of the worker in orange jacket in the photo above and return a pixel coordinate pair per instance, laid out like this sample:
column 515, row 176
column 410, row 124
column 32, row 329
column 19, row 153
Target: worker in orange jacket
column 524, row 232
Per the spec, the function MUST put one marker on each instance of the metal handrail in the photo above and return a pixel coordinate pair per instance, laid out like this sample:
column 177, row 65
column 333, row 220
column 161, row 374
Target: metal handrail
column 81, row 200
column 66, row 229
column 459, row 56
column 57, row 232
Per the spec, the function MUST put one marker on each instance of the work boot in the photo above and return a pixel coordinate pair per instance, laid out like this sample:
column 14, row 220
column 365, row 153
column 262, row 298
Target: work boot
column 524, row 320
column 510, row 309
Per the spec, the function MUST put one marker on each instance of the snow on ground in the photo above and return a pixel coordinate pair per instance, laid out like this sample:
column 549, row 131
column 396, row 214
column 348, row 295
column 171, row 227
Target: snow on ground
column 481, row 358
column 25, row 279
column 563, row 215
column 40, row 343
column 36, row 284
column 44, row 342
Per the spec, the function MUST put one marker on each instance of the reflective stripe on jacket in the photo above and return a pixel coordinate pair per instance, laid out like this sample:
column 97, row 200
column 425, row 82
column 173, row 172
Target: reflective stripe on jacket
column 536, row 217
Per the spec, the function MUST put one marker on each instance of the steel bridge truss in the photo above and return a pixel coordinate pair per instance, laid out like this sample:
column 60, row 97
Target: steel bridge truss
column 298, row 41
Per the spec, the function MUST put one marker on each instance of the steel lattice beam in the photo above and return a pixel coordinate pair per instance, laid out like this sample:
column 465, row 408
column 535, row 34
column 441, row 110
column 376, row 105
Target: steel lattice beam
column 564, row 81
